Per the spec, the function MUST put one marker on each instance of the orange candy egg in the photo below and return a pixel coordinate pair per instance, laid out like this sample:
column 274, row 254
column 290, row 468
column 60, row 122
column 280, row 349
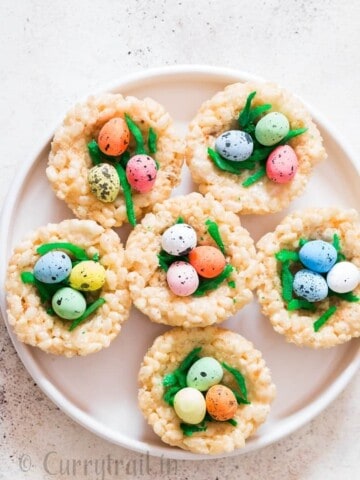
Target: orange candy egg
column 208, row 261
column 114, row 137
column 221, row 403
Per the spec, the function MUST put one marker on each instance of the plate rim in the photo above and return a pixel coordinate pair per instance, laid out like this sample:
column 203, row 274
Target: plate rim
column 292, row 422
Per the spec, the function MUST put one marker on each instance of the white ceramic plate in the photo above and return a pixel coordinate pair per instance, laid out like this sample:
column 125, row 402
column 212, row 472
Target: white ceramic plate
column 100, row 391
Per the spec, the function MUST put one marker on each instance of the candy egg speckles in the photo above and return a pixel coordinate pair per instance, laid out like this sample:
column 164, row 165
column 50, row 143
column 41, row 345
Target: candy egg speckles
column 179, row 239
column 189, row 405
column 141, row 173
column 234, row 145
column 208, row 261
column 87, row 276
column 182, row 279
column 272, row 128
column 221, row 403
column 53, row 267
column 104, row 182
column 310, row 285
column 204, row 373
column 68, row 303
column 282, row 164
column 343, row 277
column 318, row 255
column 114, row 137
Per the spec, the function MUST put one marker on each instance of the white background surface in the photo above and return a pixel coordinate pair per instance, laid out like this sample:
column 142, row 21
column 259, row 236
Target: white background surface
column 52, row 54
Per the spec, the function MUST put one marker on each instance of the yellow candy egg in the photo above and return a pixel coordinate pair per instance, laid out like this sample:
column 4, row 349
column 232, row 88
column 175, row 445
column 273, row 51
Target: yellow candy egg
column 87, row 276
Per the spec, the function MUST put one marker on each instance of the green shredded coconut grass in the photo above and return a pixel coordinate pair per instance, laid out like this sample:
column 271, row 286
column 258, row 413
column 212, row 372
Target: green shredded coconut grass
column 287, row 280
column 45, row 290
column 207, row 285
column 89, row 311
column 324, row 318
column 78, row 252
column 213, row 230
column 232, row 284
column 298, row 304
column 188, row 430
column 152, row 139
column 285, row 255
column 240, row 380
column 127, row 194
column 136, row 133
column 255, row 177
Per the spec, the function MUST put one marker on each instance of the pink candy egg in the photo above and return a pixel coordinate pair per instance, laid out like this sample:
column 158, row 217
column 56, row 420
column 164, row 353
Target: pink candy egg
column 141, row 173
column 182, row 279
column 282, row 164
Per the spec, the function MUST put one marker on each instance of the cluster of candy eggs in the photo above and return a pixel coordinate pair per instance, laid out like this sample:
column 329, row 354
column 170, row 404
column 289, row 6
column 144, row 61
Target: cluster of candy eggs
column 204, row 261
column 204, row 394
column 237, row 146
column 322, row 272
column 141, row 170
column 56, row 267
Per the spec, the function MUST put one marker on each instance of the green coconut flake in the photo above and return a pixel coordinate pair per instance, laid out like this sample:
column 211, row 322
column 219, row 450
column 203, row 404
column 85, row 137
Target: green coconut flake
column 324, row 318
column 287, row 279
column 255, row 177
column 337, row 245
column 136, row 133
column 213, row 230
column 127, row 194
column 259, row 110
column 302, row 242
column 166, row 259
column 244, row 117
column 152, row 140
column 78, row 252
column 188, row 430
column 240, row 380
column 180, row 220
column 237, row 168
column 89, row 311
column 124, row 159
column 292, row 134
column 213, row 283
column 45, row 290
column 232, row 284
column 191, row 358
column 97, row 156
column 348, row 297
column 170, row 394
column 284, row 255
column 232, row 422
column 298, row 304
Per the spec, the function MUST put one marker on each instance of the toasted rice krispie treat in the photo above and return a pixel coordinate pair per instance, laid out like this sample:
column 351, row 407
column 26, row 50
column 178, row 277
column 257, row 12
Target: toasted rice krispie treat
column 290, row 282
column 30, row 306
column 148, row 279
column 88, row 163
column 258, row 160
column 164, row 363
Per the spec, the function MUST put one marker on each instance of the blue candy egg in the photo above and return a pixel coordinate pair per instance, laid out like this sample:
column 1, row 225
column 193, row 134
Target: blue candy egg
column 318, row 256
column 234, row 145
column 310, row 285
column 53, row 267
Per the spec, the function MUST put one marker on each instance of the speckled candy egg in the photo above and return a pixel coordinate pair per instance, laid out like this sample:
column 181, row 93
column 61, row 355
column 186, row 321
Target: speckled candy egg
column 343, row 277
column 87, row 276
column 234, row 145
column 208, row 261
column 114, row 137
column 53, row 267
column 272, row 128
column 189, row 405
column 282, row 164
column 141, row 173
column 179, row 239
column 204, row 373
column 104, row 182
column 318, row 255
column 310, row 285
column 68, row 303
column 221, row 403
column 182, row 279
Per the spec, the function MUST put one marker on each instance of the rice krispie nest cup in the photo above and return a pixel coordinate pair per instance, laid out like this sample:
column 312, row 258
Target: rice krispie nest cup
column 165, row 355
column 147, row 282
column 220, row 114
column 28, row 317
column 297, row 326
column 69, row 160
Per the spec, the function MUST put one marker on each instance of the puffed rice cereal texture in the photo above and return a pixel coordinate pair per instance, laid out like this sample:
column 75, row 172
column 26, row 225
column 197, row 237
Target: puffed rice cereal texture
column 69, row 160
column 297, row 326
column 166, row 354
column 28, row 317
column 147, row 282
column 220, row 114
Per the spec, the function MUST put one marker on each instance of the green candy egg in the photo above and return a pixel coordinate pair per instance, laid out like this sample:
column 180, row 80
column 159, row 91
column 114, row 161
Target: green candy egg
column 104, row 182
column 190, row 405
column 272, row 128
column 68, row 303
column 87, row 276
column 204, row 373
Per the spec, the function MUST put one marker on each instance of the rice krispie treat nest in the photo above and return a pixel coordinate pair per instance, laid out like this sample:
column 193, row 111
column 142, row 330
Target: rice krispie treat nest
column 69, row 160
column 220, row 114
column 28, row 317
column 298, row 325
column 147, row 282
column 166, row 354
